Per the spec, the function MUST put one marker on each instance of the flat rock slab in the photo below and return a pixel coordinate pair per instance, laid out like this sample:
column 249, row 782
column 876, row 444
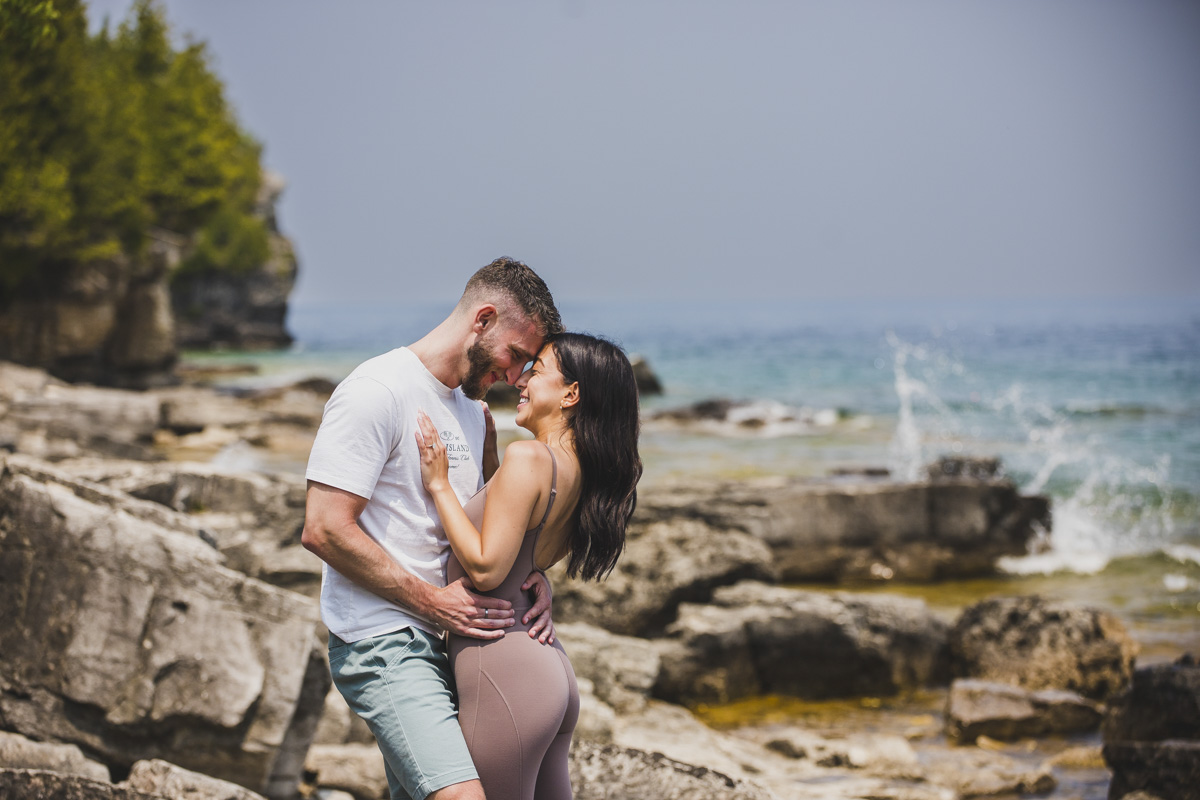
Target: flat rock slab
column 161, row 777
column 609, row 772
column 19, row 752
column 34, row 784
column 1036, row 643
column 1000, row 711
column 755, row 639
column 125, row 635
column 857, row 529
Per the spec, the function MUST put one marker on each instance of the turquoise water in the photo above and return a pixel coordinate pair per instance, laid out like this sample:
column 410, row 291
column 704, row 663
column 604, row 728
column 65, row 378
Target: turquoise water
column 1096, row 404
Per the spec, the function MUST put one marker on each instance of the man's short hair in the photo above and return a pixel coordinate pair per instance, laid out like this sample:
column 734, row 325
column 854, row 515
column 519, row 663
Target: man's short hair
column 522, row 286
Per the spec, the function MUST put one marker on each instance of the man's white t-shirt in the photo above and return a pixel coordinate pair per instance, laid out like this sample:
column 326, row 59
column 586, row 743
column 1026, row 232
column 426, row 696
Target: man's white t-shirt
column 367, row 445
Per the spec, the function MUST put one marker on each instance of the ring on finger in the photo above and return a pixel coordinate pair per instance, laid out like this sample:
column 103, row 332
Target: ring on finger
column 485, row 613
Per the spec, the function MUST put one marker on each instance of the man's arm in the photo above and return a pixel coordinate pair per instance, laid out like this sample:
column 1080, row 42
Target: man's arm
column 331, row 531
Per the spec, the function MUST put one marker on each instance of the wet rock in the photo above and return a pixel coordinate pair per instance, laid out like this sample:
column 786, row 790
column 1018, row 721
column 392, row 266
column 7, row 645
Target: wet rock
column 125, row 635
column 755, row 639
column 974, row 468
column 1152, row 733
column 36, row 784
column 1037, row 643
column 664, row 564
column 1000, row 711
column 647, row 380
column 168, row 780
column 18, row 752
column 622, row 669
column 609, row 772
column 846, row 530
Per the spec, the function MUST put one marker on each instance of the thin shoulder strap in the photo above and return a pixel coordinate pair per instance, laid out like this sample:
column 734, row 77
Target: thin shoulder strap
column 553, row 486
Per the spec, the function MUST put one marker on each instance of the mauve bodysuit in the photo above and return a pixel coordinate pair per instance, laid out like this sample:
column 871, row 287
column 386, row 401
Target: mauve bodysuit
column 517, row 698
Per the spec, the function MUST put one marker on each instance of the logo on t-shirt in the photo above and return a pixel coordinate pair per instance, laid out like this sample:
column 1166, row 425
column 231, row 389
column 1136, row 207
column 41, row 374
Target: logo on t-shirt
column 457, row 450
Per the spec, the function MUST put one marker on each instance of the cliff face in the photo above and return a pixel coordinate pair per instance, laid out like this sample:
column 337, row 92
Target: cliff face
column 121, row 322
column 107, row 322
column 239, row 311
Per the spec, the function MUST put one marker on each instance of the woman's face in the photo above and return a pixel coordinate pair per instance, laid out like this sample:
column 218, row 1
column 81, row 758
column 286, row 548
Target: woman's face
column 542, row 388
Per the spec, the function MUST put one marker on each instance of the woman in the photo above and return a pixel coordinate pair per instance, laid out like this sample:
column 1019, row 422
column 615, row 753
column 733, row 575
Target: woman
column 567, row 494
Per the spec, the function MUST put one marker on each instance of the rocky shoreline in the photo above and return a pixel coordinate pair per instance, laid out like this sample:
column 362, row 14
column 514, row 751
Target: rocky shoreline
column 161, row 637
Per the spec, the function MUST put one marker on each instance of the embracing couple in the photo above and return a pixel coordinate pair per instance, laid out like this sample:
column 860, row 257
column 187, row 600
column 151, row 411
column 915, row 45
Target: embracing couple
column 433, row 587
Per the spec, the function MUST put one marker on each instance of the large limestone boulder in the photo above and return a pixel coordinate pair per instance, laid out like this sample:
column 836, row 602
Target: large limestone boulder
column 755, row 639
column 254, row 519
column 664, row 564
column 1152, row 733
column 856, row 528
column 1037, row 643
column 1000, row 711
column 621, row 669
column 124, row 634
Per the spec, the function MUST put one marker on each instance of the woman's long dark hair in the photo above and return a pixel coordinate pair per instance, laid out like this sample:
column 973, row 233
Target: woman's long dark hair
column 605, row 423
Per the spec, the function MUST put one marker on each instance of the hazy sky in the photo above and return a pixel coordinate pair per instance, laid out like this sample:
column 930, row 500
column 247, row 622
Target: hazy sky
column 709, row 150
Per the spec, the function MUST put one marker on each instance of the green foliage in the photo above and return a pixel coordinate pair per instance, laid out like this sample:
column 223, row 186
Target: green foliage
column 104, row 138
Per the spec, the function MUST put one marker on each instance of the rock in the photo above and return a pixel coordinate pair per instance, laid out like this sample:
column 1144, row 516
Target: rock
column 1152, row 733
column 18, row 752
column 125, row 635
column 647, row 381
column 354, row 768
column 755, row 639
column 982, row 774
column 50, row 419
column 288, row 770
column 1162, row 702
column 971, row 467
column 1037, row 643
column 254, row 519
column 608, row 772
column 875, row 752
column 340, row 725
column 35, row 784
column 999, row 711
column 1169, row 769
column 847, row 529
column 664, row 564
column 246, row 310
column 596, row 718
column 102, row 322
column 168, row 780
column 622, row 669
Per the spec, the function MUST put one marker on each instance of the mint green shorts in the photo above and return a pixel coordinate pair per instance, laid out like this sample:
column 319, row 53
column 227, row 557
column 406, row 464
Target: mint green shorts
column 401, row 685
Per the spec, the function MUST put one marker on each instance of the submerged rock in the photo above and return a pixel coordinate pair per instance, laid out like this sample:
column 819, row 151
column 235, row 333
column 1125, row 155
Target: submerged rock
column 755, row 639
column 1037, row 643
column 1000, row 711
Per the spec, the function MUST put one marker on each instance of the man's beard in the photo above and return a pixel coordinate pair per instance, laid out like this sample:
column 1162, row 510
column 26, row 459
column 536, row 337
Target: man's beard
column 481, row 365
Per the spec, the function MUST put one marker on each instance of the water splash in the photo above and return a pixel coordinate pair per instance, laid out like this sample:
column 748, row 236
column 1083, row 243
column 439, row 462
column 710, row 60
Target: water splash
column 1105, row 505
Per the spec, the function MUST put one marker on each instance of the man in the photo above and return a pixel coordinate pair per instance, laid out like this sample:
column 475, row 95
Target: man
column 368, row 517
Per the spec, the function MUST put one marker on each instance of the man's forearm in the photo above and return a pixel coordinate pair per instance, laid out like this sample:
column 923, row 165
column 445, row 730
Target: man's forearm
column 357, row 557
